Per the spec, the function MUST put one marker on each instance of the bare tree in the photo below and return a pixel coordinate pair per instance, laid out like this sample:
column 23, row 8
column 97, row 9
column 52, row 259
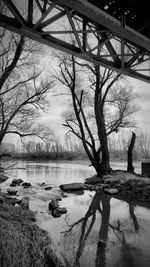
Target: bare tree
column 19, row 108
column 23, row 89
column 100, row 106
column 143, row 143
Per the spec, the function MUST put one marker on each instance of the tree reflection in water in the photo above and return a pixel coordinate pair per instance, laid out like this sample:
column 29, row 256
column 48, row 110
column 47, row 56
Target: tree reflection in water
column 101, row 204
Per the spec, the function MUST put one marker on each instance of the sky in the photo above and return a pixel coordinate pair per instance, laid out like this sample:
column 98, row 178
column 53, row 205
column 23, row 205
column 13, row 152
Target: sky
column 58, row 103
column 143, row 99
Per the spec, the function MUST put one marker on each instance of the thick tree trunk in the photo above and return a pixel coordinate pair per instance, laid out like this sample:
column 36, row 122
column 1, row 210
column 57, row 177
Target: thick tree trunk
column 105, row 160
column 1, row 137
column 102, row 165
column 97, row 166
column 130, row 167
column 105, row 163
column 101, row 128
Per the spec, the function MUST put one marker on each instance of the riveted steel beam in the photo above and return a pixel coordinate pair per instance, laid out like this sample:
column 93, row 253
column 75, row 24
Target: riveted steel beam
column 121, row 48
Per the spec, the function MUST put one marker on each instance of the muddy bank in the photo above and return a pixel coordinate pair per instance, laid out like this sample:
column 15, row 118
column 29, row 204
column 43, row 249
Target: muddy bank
column 3, row 177
column 22, row 242
column 121, row 184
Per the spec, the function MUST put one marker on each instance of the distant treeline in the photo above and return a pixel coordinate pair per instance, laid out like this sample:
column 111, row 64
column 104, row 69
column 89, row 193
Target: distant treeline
column 43, row 155
column 70, row 150
column 51, row 151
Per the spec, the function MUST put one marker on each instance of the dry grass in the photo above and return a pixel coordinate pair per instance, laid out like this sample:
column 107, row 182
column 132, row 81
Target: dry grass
column 22, row 243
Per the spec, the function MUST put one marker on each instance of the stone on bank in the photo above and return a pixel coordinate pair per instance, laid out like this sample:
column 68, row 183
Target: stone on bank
column 72, row 187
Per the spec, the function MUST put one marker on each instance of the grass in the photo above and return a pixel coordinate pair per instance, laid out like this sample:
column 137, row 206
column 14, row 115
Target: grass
column 22, row 243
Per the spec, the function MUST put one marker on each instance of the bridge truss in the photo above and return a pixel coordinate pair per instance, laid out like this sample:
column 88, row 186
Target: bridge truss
column 80, row 28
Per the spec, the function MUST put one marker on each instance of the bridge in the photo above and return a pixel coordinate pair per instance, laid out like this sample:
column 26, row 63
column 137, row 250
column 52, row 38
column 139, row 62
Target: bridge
column 112, row 33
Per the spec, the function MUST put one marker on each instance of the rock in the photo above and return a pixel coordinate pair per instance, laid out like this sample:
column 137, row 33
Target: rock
column 61, row 210
column 58, row 199
column 13, row 201
column 53, row 204
column 1, row 169
column 92, row 188
column 41, row 184
column 13, row 185
column 25, row 202
column 1, row 200
column 72, row 187
column 147, row 188
column 3, row 177
column 87, row 186
column 143, row 198
column 93, row 180
column 112, row 181
column 48, row 188
column 146, row 194
column 141, row 183
column 103, row 186
column 64, row 195
column 26, row 185
column 12, row 192
column 17, row 181
column 138, row 190
column 55, row 213
column 111, row 191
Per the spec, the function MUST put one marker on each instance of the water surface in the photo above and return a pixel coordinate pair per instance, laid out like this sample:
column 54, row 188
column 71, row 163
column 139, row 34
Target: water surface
column 97, row 230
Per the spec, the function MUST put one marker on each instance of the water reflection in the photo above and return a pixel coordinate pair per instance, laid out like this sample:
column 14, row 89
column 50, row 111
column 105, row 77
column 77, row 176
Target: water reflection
column 100, row 204
column 98, row 230
column 133, row 217
column 100, row 239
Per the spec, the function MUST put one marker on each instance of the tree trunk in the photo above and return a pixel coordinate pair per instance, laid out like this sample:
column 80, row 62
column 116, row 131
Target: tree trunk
column 105, row 163
column 1, row 137
column 105, row 160
column 101, row 127
column 130, row 167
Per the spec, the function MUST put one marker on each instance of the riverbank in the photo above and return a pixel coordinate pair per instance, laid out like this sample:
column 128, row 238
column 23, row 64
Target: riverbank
column 122, row 185
column 22, row 242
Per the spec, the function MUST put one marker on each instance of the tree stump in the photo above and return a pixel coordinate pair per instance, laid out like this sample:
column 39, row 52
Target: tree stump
column 130, row 167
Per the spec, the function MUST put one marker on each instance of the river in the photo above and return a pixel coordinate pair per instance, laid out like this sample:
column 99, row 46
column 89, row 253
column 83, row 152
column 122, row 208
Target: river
column 97, row 230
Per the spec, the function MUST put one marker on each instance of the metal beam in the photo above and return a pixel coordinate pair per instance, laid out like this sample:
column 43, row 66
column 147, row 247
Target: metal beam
column 97, row 15
column 14, row 11
column 85, row 20
column 51, row 20
column 68, row 48
column 30, row 11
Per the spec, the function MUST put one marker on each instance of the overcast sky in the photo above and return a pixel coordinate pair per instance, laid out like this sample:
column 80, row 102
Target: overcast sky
column 58, row 104
column 143, row 115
